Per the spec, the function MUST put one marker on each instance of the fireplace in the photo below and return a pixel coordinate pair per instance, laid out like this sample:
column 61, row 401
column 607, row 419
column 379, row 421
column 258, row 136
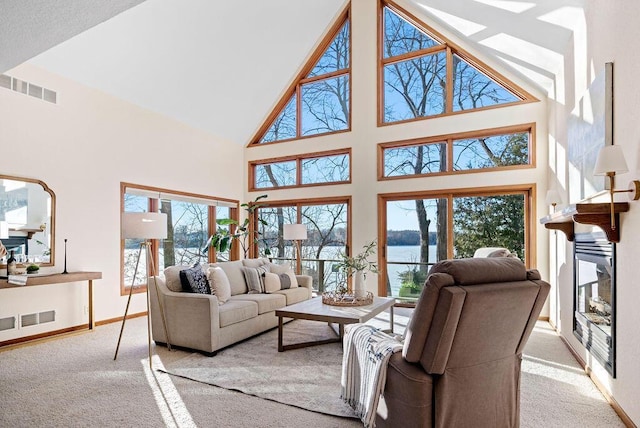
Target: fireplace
column 594, row 301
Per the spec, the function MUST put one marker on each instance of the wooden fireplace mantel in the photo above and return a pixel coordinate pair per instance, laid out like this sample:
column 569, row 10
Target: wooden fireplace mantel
column 598, row 214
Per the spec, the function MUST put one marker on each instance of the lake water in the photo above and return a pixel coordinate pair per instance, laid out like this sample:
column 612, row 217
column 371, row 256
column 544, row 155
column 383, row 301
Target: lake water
column 400, row 258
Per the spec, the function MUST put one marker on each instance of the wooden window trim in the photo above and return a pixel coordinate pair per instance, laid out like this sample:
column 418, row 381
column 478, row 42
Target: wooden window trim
column 529, row 191
column 451, row 48
column 153, row 206
column 301, row 77
column 298, row 159
column 448, row 139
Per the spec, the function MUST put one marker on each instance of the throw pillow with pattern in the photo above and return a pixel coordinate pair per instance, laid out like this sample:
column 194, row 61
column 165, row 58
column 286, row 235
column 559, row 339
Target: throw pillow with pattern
column 194, row 280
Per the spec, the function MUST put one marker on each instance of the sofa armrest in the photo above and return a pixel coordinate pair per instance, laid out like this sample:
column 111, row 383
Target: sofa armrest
column 192, row 319
column 305, row 281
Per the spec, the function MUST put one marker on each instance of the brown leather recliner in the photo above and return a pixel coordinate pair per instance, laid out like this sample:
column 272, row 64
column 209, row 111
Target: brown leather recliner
column 460, row 365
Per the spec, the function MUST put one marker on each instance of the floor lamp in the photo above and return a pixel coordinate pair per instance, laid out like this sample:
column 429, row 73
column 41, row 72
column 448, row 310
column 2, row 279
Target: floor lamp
column 145, row 226
column 296, row 233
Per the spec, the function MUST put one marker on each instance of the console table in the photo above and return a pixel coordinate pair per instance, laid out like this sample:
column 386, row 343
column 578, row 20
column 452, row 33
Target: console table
column 61, row 278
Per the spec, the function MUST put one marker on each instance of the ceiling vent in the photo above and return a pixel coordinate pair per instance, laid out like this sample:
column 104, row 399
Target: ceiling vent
column 27, row 88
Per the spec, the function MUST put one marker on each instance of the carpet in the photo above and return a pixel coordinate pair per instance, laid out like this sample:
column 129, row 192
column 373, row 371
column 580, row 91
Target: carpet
column 307, row 378
column 554, row 389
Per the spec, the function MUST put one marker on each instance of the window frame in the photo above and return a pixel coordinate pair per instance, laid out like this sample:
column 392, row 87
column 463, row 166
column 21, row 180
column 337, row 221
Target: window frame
column 528, row 190
column 451, row 50
column 298, row 203
column 448, row 140
column 153, row 205
column 299, row 158
column 295, row 88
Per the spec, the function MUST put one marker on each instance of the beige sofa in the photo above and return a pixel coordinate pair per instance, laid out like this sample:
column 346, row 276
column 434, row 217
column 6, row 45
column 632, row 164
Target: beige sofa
column 199, row 322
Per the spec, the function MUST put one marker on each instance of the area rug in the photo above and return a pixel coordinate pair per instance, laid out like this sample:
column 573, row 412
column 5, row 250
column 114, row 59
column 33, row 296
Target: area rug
column 307, row 378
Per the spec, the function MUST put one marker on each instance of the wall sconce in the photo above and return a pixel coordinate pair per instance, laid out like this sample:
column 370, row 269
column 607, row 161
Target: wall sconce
column 611, row 161
column 553, row 198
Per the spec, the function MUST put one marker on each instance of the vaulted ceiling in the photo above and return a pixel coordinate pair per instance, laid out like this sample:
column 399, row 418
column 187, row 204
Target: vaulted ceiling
column 221, row 65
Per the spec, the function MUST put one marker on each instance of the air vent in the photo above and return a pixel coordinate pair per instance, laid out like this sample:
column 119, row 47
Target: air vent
column 19, row 86
column 35, row 90
column 37, row 318
column 8, row 323
column 27, row 88
column 29, row 319
column 5, row 81
column 48, row 316
column 50, row 96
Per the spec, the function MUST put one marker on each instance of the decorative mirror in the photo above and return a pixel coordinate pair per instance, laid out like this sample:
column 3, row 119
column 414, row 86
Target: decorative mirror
column 27, row 220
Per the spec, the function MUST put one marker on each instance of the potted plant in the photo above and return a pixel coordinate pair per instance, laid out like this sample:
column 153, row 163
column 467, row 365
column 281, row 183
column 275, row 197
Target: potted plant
column 358, row 266
column 236, row 231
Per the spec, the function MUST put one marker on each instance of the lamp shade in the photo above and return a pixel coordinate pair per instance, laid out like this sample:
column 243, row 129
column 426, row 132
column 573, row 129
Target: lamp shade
column 144, row 226
column 610, row 159
column 553, row 197
column 293, row 232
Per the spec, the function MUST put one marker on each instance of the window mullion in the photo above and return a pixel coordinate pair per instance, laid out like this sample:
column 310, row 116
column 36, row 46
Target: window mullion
column 299, row 110
column 449, row 85
column 413, row 55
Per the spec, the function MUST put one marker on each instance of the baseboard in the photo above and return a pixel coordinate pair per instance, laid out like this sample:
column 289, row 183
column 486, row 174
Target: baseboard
column 119, row 319
column 58, row 334
column 612, row 402
column 42, row 337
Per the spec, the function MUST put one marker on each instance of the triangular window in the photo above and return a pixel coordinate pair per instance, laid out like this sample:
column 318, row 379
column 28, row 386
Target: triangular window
column 473, row 89
column 318, row 102
column 284, row 126
column 401, row 37
column 423, row 75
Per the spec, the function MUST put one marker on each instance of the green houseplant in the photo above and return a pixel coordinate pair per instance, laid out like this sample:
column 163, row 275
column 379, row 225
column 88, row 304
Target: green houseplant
column 358, row 266
column 237, row 231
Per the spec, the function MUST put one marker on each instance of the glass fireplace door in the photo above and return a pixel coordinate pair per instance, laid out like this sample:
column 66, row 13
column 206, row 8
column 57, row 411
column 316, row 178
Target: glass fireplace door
column 594, row 301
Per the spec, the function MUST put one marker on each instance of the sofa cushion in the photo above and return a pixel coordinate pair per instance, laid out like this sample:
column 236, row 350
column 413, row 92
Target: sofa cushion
column 254, row 263
column 294, row 295
column 233, row 270
column 172, row 277
column 275, row 268
column 266, row 302
column 254, row 277
column 235, row 311
column 194, row 280
column 219, row 284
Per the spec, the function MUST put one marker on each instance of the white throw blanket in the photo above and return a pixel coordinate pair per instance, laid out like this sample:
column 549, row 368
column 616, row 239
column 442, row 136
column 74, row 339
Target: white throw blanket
column 364, row 369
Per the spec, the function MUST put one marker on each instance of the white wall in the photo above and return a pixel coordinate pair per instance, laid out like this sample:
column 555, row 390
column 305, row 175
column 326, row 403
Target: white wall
column 365, row 135
column 608, row 31
column 83, row 148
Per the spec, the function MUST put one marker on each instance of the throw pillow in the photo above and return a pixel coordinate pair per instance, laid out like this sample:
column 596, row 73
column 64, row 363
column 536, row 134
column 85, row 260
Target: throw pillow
column 284, row 269
column 293, row 281
column 194, row 280
column 172, row 277
column 254, row 277
column 220, row 285
column 274, row 282
column 279, row 268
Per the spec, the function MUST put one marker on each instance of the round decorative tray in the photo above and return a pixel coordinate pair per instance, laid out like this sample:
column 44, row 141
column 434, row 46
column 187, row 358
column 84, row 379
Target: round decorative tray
column 345, row 299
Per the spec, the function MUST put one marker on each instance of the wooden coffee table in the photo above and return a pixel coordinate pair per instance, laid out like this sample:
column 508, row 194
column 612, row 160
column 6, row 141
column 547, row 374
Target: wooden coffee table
column 315, row 310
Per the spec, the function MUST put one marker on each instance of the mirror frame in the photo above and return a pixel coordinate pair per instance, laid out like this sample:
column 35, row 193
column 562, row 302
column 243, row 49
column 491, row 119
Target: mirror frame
column 46, row 188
